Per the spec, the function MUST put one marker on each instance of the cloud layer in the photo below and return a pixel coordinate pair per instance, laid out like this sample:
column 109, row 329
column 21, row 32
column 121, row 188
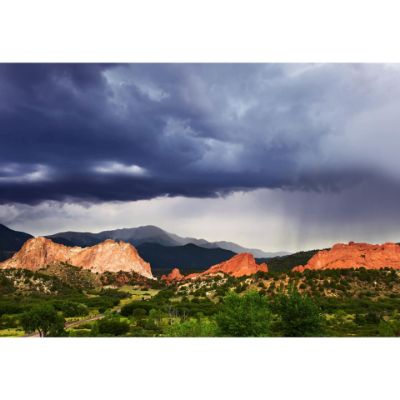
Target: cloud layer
column 127, row 132
column 322, row 140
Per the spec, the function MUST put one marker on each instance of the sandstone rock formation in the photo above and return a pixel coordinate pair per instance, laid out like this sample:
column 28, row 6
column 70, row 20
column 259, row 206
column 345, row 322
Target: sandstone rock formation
column 106, row 256
column 355, row 255
column 174, row 276
column 242, row 264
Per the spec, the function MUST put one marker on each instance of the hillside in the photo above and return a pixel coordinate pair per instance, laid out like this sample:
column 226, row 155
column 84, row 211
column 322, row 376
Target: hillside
column 11, row 241
column 286, row 263
column 189, row 258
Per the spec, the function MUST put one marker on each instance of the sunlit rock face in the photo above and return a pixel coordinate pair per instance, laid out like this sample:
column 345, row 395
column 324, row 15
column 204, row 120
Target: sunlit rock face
column 355, row 255
column 174, row 276
column 242, row 264
column 106, row 256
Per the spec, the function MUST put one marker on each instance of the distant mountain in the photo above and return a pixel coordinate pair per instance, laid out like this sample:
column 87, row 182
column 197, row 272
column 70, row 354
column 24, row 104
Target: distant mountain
column 240, row 249
column 189, row 258
column 135, row 236
column 286, row 263
column 81, row 239
column 11, row 241
column 150, row 234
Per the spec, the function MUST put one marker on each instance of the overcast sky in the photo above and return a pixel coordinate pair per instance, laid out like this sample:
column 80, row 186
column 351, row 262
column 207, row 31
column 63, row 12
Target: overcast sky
column 275, row 156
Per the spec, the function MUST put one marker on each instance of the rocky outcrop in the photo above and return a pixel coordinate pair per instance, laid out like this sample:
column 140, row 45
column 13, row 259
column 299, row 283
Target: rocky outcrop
column 355, row 255
column 242, row 264
column 174, row 276
column 106, row 256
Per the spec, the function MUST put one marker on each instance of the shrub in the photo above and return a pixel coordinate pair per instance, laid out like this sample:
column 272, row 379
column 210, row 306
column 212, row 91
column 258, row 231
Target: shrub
column 193, row 328
column 389, row 329
column 247, row 315
column 139, row 313
column 71, row 309
column 130, row 308
column 112, row 326
column 298, row 314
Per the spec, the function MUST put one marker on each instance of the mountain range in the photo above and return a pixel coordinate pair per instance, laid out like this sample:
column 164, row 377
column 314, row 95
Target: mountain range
column 162, row 249
column 151, row 234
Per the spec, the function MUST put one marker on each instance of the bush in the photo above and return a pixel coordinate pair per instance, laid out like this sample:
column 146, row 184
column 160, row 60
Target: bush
column 112, row 326
column 298, row 315
column 139, row 313
column 10, row 307
column 193, row 328
column 102, row 302
column 389, row 329
column 71, row 309
column 80, row 333
column 130, row 308
column 372, row 317
column 114, row 293
column 246, row 315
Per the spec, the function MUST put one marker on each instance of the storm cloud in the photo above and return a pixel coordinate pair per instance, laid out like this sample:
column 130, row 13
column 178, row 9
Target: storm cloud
column 284, row 145
column 87, row 132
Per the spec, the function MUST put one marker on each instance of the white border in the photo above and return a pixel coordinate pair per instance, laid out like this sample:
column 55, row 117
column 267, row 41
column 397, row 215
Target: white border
column 201, row 31
column 201, row 369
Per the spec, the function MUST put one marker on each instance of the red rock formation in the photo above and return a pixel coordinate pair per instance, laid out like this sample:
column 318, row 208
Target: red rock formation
column 242, row 264
column 106, row 256
column 355, row 255
column 174, row 276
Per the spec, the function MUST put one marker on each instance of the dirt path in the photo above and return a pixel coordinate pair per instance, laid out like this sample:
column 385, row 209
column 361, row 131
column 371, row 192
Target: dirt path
column 96, row 317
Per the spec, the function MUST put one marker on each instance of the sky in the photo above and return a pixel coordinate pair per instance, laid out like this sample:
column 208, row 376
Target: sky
column 282, row 157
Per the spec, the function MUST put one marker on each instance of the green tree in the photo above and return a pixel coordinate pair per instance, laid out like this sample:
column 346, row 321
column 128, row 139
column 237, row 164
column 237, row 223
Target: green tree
column 45, row 320
column 244, row 316
column 298, row 314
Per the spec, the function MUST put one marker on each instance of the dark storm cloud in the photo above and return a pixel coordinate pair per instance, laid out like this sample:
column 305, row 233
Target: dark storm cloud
column 92, row 132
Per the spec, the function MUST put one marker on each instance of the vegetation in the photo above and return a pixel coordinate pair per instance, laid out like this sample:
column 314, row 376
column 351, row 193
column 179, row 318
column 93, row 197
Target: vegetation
column 297, row 314
column 51, row 302
column 111, row 326
column 246, row 315
column 43, row 319
column 193, row 328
